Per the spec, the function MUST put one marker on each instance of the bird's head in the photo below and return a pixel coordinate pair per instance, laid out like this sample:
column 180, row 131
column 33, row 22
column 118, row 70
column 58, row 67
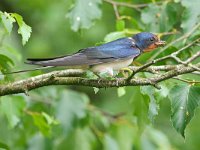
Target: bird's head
column 147, row 41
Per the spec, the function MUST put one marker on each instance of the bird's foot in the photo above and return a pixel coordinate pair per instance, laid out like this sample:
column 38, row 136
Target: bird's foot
column 126, row 72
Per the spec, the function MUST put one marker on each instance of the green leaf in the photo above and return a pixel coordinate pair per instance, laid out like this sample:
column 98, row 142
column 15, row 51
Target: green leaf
column 110, row 143
column 3, row 146
column 83, row 13
column 100, row 121
column 96, row 90
column 41, row 122
column 79, row 139
column 153, row 105
column 71, row 107
column 120, row 25
column 114, row 35
column 191, row 14
column 140, row 108
column 12, row 107
column 124, row 134
column 50, row 120
column 160, row 18
column 7, row 21
column 121, row 91
column 184, row 100
column 39, row 139
column 153, row 139
column 24, row 29
column 5, row 62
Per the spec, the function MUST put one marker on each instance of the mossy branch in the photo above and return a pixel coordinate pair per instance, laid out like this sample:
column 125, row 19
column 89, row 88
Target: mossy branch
column 72, row 77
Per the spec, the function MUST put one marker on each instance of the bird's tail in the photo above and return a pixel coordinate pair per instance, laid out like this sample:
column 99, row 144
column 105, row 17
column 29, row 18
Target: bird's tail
column 69, row 60
column 27, row 70
column 77, row 59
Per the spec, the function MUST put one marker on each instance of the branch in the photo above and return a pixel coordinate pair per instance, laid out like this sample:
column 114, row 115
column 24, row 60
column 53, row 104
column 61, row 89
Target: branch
column 115, row 5
column 154, row 69
column 64, row 77
column 126, row 4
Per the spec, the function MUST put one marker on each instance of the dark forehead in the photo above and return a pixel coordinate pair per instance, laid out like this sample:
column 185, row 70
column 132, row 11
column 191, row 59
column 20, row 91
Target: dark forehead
column 144, row 35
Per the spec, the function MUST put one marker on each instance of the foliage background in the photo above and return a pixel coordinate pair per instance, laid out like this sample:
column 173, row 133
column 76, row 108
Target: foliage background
column 71, row 117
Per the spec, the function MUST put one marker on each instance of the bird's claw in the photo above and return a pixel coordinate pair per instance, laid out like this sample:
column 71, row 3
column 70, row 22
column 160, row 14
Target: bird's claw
column 125, row 70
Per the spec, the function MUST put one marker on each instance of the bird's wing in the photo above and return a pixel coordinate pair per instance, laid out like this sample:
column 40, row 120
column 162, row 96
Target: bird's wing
column 117, row 50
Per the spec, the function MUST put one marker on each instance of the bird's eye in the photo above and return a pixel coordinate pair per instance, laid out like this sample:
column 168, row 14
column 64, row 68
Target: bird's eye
column 151, row 39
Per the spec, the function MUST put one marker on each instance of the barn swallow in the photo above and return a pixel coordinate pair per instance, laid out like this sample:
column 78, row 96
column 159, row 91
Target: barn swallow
column 108, row 57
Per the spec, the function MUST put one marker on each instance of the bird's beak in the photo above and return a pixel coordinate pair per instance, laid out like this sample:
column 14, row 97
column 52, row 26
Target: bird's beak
column 160, row 43
column 155, row 45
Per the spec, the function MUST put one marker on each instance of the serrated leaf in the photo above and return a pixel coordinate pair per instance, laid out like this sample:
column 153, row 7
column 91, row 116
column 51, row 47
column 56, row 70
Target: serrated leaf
column 24, row 29
column 84, row 13
column 184, row 100
column 160, row 18
column 12, row 107
column 121, row 91
column 191, row 15
column 71, row 107
column 7, row 21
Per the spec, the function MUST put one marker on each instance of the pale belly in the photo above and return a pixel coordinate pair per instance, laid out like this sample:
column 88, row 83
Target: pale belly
column 109, row 67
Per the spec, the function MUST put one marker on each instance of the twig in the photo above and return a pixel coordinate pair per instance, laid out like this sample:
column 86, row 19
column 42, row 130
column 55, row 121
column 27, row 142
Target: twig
column 195, row 56
column 116, row 11
column 187, row 46
column 168, row 33
column 115, row 4
column 196, row 72
column 195, row 67
column 147, row 65
column 136, row 6
column 187, row 81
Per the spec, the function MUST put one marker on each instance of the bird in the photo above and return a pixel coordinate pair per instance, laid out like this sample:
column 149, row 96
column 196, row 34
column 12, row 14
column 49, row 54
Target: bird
column 108, row 57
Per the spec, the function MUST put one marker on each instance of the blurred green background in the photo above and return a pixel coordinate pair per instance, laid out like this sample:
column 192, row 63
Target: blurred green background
column 75, row 118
